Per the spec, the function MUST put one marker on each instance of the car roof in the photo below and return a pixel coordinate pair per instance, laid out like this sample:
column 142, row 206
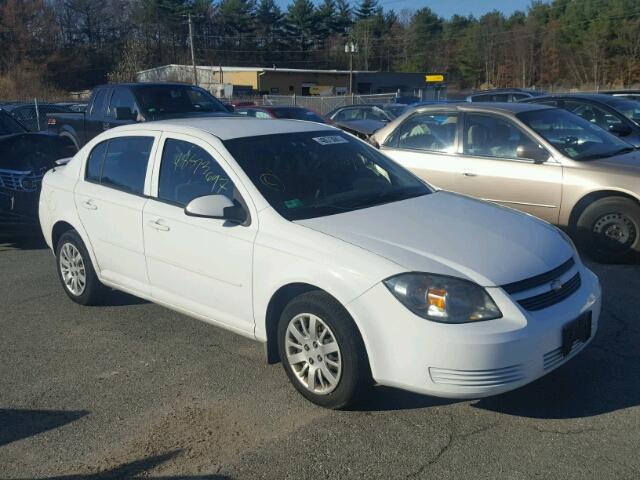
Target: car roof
column 498, row 107
column 278, row 107
column 594, row 97
column 227, row 128
column 508, row 90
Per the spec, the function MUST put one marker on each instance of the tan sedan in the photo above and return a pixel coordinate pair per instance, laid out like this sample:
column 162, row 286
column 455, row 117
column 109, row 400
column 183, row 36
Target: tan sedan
column 538, row 159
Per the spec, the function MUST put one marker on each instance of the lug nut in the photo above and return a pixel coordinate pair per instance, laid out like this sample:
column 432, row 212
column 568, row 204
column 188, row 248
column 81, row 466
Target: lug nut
column 319, row 358
column 311, row 361
column 306, row 347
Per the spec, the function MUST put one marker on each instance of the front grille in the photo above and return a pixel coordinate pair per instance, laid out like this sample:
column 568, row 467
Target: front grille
column 544, row 300
column 536, row 293
column 477, row 378
column 538, row 280
column 20, row 181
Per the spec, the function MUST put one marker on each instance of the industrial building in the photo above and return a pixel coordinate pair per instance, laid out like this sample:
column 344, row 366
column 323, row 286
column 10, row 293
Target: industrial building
column 237, row 81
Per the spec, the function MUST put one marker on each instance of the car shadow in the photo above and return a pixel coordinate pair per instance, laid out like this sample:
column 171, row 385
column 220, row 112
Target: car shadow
column 22, row 240
column 18, row 424
column 387, row 399
column 116, row 298
column 133, row 470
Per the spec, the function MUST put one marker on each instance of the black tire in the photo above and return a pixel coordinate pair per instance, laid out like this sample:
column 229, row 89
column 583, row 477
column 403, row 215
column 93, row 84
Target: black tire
column 94, row 291
column 355, row 372
column 609, row 230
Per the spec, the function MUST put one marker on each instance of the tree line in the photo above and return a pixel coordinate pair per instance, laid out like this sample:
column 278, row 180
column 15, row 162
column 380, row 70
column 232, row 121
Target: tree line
column 63, row 45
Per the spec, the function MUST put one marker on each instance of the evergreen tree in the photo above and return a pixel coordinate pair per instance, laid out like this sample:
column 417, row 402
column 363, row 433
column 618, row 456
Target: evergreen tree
column 367, row 9
column 344, row 18
column 326, row 18
column 301, row 24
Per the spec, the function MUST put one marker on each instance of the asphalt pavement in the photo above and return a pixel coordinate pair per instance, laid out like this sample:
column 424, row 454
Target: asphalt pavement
column 133, row 390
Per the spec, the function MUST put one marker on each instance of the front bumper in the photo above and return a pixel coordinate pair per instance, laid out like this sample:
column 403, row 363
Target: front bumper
column 470, row 360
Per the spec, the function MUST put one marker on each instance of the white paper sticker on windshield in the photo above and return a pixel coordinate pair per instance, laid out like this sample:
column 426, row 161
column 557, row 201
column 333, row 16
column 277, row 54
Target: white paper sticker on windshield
column 330, row 140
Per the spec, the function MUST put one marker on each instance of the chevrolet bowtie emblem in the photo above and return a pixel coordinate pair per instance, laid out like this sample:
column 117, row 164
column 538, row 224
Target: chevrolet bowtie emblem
column 556, row 285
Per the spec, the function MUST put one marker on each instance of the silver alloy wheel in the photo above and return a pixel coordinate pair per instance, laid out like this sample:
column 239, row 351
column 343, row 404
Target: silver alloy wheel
column 313, row 353
column 72, row 269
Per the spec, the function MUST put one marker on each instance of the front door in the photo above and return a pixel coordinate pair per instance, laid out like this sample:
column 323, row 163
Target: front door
column 201, row 265
column 489, row 168
column 109, row 200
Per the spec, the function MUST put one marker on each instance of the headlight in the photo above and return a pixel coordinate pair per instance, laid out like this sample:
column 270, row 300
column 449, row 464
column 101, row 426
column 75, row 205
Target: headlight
column 443, row 299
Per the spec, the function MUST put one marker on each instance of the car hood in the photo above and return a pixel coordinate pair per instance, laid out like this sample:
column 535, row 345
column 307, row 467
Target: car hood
column 451, row 234
column 627, row 161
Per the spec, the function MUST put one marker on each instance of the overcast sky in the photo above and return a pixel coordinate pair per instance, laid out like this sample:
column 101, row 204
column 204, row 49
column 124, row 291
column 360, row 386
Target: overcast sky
column 446, row 8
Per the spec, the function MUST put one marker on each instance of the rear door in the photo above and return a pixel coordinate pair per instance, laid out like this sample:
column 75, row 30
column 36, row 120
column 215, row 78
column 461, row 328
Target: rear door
column 489, row 167
column 110, row 199
column 426, row 144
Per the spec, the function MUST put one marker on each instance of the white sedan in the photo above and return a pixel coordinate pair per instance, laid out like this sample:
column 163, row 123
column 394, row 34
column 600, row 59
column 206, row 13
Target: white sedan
column 348, row 268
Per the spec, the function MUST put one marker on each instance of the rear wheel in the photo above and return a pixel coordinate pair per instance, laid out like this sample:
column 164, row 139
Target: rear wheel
column 76, row 271
column 609, row 229
column 322, row 351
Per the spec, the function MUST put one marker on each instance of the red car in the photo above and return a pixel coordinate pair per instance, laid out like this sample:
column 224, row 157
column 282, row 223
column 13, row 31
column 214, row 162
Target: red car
column 267, row 111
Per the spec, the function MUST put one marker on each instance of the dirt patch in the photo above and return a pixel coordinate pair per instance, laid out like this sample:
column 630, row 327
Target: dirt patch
column 197, row 439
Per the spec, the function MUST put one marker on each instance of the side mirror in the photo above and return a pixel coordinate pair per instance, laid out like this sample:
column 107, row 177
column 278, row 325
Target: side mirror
column 535, row 153
column 216, row 206
column 125, row 113
column 620, row 129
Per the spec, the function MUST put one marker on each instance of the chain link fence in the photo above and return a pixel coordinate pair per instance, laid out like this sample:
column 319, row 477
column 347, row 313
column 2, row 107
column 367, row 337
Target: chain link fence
column 324, row 104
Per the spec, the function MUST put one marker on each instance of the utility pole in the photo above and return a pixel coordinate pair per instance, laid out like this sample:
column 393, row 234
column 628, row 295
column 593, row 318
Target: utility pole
column 351, row 48
column 193, row 56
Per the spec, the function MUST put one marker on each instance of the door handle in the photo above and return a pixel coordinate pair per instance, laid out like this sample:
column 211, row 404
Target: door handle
column 470, row 174
column 89, row 205
column 159, row 226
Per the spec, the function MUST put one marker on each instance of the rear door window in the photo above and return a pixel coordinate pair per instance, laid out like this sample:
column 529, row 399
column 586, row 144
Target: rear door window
column 95, row 161
column 593, row 113
column 121, row 163
column 435, row 132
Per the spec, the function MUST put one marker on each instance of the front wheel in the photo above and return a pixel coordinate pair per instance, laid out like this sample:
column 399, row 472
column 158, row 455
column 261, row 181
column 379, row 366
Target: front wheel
column 609, row 229
column 76, row 271
column 322, row 351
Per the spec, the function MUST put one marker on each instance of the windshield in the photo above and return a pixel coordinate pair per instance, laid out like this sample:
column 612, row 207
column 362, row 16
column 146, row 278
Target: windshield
column 297, row 114
column 395, row 110
column 8, row 125
column 629, row 108
column 313, row 174
column 167, row 100
column 573, row 136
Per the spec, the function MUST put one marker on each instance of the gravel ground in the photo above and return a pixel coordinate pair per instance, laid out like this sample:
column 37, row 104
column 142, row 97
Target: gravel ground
column 132, row 390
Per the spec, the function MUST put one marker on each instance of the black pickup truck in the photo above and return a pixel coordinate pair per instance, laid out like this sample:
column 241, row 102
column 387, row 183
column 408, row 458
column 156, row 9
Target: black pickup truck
column 119, row 104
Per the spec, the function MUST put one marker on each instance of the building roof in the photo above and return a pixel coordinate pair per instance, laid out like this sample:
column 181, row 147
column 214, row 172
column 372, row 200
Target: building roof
column 216, row 68
column 227, row 128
